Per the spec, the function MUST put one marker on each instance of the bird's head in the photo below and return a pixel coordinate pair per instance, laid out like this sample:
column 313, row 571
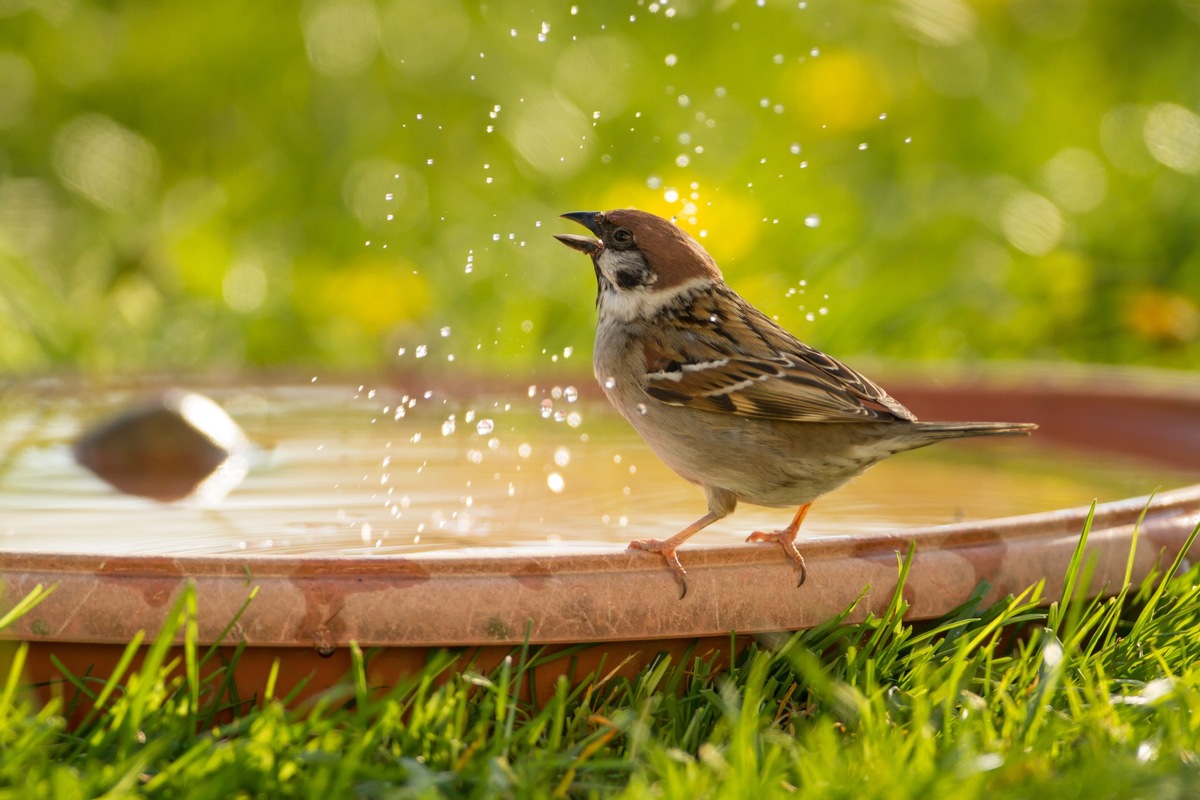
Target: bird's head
column 641, row 260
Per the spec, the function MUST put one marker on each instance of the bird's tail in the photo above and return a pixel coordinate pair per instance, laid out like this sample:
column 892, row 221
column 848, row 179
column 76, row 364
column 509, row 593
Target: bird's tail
column 937, row 431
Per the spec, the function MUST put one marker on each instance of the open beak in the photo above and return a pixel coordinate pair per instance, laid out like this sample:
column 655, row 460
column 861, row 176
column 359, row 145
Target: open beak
column 584, row 244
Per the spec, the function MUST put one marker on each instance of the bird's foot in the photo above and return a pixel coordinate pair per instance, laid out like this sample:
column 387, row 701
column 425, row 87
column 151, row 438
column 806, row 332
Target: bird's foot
column 665, row 548
column 786, row 539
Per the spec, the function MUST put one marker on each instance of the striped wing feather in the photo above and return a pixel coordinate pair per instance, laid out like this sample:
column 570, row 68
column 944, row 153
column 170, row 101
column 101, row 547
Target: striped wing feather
column 735, row 360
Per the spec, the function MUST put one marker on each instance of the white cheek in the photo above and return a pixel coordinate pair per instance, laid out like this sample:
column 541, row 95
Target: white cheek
column 613, row 261
column 623, row 304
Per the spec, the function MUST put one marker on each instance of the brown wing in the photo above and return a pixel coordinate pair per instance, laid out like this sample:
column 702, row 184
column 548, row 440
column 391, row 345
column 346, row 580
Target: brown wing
column 737, row 361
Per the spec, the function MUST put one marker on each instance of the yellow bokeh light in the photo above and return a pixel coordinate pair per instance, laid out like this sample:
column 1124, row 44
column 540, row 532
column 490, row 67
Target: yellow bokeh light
column 1163, row 316
column 376, row 294
column 844, row 91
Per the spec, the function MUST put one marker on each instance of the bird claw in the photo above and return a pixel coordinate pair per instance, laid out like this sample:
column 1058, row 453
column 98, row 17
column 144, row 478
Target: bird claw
column 667, row 551
column 787, row 540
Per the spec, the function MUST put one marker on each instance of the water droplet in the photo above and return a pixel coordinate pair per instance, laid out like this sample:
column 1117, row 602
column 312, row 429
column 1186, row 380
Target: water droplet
column 641, row 409
column 862, row 146
column 448, row 426
column 485, row 427
column 794, row 149
column 610, row 383
column 524, row 450
column 555, row 482
column 547, row 408
column 421, row 351
column 445, row 331
column 560, row 416
column 671, row 60
column 571, row 393
column 574, row 419
column 812, row 220
column 562, row 456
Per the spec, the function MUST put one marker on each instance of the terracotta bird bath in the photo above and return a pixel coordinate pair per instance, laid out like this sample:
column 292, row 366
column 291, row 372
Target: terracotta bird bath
column 409, row 600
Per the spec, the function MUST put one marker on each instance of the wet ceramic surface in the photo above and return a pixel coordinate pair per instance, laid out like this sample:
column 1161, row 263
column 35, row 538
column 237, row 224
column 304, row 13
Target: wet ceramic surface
column 409, row 470
column 321, row 530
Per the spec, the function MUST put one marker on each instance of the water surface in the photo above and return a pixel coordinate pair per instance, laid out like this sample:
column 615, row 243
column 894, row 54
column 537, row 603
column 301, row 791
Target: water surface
column 344, row 469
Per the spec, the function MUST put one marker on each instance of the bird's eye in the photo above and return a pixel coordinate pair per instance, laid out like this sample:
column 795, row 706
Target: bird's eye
column 622, row 236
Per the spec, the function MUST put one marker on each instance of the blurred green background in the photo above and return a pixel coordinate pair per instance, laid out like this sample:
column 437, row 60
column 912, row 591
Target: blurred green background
column 219, row 185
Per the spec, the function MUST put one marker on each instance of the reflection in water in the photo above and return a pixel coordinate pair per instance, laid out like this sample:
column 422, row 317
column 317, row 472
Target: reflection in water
column 338, row 470
column 176, row 445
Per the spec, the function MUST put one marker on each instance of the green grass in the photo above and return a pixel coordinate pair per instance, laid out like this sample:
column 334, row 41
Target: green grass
column 1075, row 697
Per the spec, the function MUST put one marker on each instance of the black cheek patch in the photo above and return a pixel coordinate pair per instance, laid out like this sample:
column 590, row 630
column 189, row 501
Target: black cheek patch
column 631, row 278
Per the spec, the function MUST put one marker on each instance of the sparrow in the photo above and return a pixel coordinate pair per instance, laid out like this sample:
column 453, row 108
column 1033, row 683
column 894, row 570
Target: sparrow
column 727, row 398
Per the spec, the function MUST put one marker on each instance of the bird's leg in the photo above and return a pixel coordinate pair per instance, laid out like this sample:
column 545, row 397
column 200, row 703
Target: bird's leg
column 786, row 538
column 666, row 547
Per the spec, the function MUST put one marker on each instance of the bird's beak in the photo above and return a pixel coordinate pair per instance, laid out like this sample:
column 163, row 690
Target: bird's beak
column 584, row 244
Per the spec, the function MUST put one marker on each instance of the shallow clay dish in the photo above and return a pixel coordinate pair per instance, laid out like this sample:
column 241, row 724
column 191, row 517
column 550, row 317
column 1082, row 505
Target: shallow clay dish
column 310, row 608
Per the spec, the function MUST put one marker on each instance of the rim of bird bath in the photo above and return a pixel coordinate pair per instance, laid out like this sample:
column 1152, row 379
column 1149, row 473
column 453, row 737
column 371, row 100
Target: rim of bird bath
column 310, row 608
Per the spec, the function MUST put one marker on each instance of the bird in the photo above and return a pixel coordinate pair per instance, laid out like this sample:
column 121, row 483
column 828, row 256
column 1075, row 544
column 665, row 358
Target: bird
column 722, row 394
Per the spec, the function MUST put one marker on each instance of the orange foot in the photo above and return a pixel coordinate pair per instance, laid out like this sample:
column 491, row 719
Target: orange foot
column 666, row 547
column 786, row 538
